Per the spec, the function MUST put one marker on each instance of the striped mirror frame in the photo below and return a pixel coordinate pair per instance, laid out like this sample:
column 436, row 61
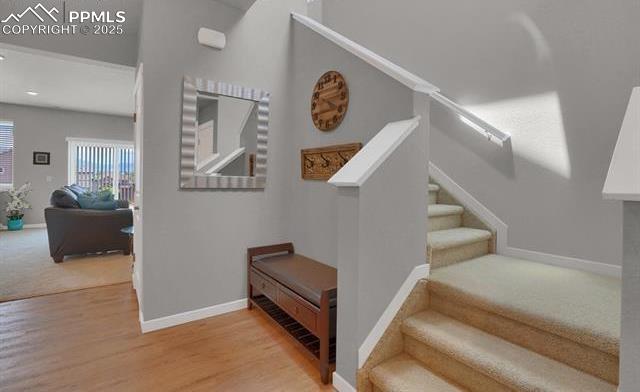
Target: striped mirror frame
column 189, row 178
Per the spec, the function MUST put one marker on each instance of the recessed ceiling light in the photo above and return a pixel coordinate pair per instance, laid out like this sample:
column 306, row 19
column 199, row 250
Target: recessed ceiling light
column 33, row 93
column 2, row 57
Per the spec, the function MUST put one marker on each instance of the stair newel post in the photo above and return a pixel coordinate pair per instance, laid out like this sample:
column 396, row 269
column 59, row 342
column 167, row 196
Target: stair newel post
column 630, row 326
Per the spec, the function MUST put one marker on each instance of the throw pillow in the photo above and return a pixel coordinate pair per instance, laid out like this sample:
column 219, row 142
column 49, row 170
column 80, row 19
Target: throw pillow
column 91, row 202
column 104, row 195
column 64, row 198
column 76, row 189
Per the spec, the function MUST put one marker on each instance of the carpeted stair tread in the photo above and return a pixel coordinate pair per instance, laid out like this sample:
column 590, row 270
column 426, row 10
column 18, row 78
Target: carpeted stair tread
column 405, row 374
column 580, row 306
column 434, row 187
column 444, row 239
column 507, row 363
column 436, row 210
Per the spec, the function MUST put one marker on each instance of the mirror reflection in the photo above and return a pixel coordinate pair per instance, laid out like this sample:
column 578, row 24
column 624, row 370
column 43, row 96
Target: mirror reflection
column 226, row 135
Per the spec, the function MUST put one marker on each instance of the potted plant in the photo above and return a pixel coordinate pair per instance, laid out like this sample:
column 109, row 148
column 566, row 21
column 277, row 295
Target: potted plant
column 16, row 206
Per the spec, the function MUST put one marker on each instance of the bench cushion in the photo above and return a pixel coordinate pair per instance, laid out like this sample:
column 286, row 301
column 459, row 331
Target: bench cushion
column 307, row 277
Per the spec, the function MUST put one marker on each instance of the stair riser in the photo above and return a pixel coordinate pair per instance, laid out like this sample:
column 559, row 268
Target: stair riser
column 451, row 369
column 442, row 257
column 444, row 222
column 587, row 359
column 433, row 197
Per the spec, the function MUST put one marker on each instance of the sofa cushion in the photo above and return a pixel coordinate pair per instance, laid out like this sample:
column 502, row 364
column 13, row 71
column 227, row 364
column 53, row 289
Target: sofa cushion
column 76, row 189
column 64, row 198
column 91, row 202
column 307, row 277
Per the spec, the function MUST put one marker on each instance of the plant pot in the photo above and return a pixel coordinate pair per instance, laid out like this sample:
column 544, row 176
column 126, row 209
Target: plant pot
column 15, row 224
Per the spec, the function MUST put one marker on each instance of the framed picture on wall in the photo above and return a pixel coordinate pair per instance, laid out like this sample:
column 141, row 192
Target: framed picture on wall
column 41, row 158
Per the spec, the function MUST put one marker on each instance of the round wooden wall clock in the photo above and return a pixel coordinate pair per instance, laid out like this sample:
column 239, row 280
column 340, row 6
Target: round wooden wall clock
column 330, row 101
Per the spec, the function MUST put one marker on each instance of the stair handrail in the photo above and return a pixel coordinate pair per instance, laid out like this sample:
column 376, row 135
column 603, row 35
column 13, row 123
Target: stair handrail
column 403, row 76
column 358, row 169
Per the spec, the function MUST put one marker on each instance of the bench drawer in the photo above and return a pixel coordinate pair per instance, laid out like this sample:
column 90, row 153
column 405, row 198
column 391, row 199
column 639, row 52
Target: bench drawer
column 264, row 286
column 297, row 309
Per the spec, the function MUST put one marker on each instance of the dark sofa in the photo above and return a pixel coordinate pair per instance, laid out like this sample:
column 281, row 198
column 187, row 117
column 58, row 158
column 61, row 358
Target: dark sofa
column 73, row 230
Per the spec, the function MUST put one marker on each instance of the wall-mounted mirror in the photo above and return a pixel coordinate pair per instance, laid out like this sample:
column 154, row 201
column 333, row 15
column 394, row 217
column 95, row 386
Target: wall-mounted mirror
column 224, row 135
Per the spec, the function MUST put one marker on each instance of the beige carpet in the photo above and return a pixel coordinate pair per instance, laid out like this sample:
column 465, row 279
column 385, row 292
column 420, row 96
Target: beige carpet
column 27, row 270
column 494, row 323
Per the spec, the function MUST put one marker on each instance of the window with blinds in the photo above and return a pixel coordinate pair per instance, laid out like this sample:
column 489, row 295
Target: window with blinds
column 6, row 155
column 103, row 165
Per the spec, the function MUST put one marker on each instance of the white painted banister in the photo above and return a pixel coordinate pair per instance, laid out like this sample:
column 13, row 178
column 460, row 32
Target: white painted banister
column 405, row 77
column 492, row 133
column 224, row 162
column 355, row 172
column 623, row 179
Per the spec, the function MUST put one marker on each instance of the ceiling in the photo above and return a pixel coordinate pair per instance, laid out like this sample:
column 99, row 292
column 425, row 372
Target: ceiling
column 65, row 82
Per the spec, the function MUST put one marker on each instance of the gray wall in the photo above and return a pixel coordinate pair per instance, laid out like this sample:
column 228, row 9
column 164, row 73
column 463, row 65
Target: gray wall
column 42, row 129
column 374, row 101
column 195, row 241
column 119, row 49
column 557, row 75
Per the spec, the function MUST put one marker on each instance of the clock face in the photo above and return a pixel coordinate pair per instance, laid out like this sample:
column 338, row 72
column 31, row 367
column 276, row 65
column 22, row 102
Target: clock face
column 329, row 101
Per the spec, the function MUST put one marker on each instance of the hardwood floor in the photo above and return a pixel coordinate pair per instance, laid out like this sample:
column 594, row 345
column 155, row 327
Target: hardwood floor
column 90, row 340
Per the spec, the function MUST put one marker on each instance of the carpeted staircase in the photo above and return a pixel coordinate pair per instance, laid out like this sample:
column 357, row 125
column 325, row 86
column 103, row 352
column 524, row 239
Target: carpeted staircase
column 486, row 322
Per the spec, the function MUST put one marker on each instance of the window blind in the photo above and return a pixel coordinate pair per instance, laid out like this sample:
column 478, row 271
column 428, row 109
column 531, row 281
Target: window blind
column 100, row 165
column 6, row 154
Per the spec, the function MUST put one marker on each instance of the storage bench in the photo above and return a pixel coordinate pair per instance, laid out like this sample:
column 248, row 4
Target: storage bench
column 300, row 295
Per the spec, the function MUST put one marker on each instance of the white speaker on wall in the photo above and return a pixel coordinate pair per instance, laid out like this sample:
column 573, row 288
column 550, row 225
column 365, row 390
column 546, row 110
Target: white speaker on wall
column 212, row 38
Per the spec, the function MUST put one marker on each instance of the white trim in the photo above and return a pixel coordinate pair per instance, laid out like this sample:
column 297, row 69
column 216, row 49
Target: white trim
column 565, row 262
column 207, row 161
column 492, row 133
column 623, row 177
column 192, row 315
column 473, row 205
column 138, row 82
column 355, row 172
column 140, row 317
column 341, row 385
column 393, row 70
column 224, row 162
column 419, row 272
column 36, row 226
column 100, row 142
column 135, row 280
column 65, row 57
column 28, row 226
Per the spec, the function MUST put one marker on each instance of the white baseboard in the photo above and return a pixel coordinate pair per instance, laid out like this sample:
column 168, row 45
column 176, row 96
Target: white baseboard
column 341, row 385
column 419, row 272
column 192, row 315
column 473, row 205
column 564, row 261
column 140, row 317
column 29, row 226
